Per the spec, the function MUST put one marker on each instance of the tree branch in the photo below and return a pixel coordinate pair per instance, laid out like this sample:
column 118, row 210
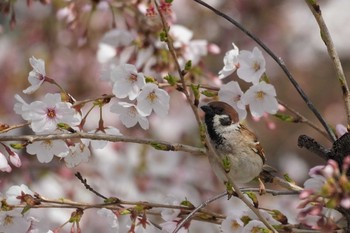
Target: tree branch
column 327, row 39
column 157, row 144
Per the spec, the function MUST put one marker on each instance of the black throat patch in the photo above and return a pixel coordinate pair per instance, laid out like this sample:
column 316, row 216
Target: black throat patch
column 214, row 136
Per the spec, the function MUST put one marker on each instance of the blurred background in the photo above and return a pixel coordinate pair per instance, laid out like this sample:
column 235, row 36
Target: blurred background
column 137, row 172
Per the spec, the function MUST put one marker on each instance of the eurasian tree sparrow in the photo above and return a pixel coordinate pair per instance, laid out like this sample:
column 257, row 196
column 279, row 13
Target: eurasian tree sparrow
column 240, row 155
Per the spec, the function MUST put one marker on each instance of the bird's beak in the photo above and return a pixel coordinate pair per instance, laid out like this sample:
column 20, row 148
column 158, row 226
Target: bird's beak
column 206, row 108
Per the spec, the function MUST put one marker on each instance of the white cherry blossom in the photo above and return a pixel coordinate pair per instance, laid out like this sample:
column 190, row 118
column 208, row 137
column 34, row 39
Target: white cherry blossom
column 46, row 150
column 22, row 108
column 16, row 191
column 230, row 62
column 261, row 98
column 130, row 115
column 14, row 221
column 232, row 223
column 100, row 144
column 231, row 93
column 78, row 154
column 36, row 76
column 127, row 81
column 110, row 218
column 46, row 114
column 4, row 165
column 251, row 65
column 153, row 98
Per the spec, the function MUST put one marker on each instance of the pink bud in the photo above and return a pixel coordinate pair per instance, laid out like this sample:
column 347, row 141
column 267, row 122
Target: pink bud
column 305, row 193
column 346, row 163
column 345, row 202
column 4, row 166
column 341, row 130
column 213, row 48
column 15, row 160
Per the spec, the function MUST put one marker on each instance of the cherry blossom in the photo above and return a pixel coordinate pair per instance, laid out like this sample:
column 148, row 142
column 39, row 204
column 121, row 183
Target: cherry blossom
column 130, row 115
column 46, row 150
column 170, row 214
column 46, row 114
column 261, row 98
column 110, row 218
column 251, row 65
column 127, row 81
column 14, row 158
column 22, row 108
column 230, row 62
column 169, row 227
column 36, row 76
column 153, row 98
column 4, row 166
column 100, row 144
column 232, row 223
column 254, row 226
column 14, row 193
column 78, row 154
column 107, row 50
column 231, row 93
column 14, row 221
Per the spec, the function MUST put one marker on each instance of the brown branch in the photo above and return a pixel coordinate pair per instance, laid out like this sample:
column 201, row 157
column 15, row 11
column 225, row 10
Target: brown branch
column 327, row 39
column 158, row 144
column 303, row 119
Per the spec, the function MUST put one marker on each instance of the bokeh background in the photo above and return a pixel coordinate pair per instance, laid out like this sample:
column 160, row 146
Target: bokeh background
column 137, row 172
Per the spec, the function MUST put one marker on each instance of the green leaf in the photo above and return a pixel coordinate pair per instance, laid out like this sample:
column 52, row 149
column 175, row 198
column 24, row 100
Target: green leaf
column 125, row 212
column 150, row 79
column 253, row 197
column 226, row 163
column 160, row 146
column 17, row 146
column 171, row 79
column 187, row 203
column 168, row 1
column 195, row 90
column 288, row 178
column 286, row 118
column 111, row 200
column 188, row 65
column 209, row 93
column 163, row 36
column 25, row 209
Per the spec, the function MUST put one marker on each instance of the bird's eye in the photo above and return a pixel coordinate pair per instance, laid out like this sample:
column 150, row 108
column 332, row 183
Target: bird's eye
column 225, row 120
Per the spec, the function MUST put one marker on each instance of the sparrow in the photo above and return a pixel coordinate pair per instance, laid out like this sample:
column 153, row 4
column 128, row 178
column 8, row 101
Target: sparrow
column 239, row 154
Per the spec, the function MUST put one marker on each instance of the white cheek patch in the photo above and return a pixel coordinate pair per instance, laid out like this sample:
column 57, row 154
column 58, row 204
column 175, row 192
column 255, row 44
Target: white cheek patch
column 222, row 129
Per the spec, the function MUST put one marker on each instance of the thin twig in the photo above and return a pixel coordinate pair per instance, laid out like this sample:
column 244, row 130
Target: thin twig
column 332, row 52
column 204, row 204
column 173, row 54
column 87, row 186
column 303, row 119
column 158, row 144
column 280, row 62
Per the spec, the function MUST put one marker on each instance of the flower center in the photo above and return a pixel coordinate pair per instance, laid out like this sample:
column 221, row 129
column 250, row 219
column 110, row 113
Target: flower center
column 133, row 78
column 256, row 66
column 152, row 96
column 237, row 98
column 260, row 95
column 235, row 225
column 132, row 112
column 8, row 220
column 51, row 113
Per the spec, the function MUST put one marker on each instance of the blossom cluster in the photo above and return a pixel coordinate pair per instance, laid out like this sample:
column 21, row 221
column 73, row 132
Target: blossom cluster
column 250, row 66
column 327, row 189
